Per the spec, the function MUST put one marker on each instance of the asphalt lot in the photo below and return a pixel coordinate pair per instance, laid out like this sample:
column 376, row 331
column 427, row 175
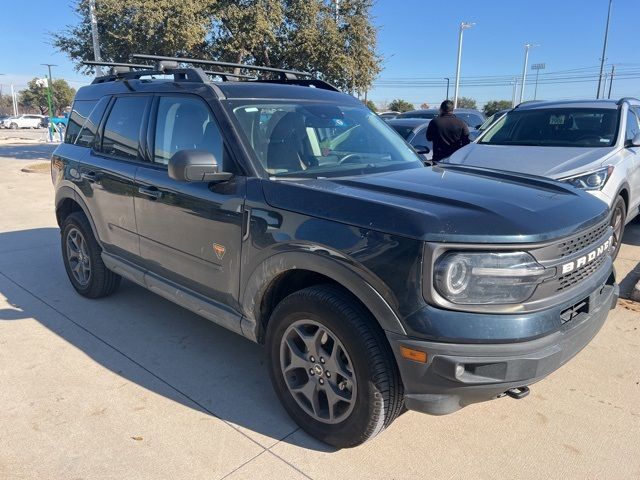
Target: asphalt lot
column 135, row 387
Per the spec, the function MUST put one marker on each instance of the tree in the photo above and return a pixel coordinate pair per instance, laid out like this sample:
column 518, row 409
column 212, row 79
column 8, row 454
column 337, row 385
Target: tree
column 297, row 34
column 424, row 106
column 159, row 27
column 35, row 96
column 466, row 102
column 371, row 106
column 494, row 106
column 400, row 105
column 6, row 105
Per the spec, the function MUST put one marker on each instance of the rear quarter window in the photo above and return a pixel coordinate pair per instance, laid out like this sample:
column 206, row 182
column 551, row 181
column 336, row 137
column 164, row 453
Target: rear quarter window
column 89, row 130
column 79, row 114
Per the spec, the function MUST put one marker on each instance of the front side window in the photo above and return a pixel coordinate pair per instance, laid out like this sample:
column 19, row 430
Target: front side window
column 306, row 139
column 555, row 127
column 122, row 129
column 185, row 123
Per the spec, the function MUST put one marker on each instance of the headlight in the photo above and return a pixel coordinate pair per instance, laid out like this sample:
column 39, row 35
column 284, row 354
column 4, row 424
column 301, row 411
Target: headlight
column 591, row 181
column 484, row 278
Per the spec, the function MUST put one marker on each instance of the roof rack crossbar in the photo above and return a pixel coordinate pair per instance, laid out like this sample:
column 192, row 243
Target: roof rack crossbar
column 226, row 76
column 115, row 64
column 283, row 73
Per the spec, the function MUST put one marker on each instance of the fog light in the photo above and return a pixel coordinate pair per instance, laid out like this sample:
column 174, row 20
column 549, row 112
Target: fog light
column 459, row 370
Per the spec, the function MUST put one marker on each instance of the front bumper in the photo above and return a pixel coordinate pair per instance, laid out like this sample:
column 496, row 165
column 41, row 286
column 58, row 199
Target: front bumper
column 459, row 374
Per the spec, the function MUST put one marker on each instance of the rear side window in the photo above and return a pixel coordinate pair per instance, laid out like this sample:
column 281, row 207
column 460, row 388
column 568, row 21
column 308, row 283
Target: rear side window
column 80, row 112
column 122, row 128
column 89, row 130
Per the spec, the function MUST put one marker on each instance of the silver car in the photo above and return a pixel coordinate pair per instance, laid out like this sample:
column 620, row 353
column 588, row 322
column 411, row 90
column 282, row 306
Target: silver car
column 591, row 144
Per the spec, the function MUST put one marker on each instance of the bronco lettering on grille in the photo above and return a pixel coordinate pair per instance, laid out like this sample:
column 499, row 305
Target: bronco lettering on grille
column 588, row 258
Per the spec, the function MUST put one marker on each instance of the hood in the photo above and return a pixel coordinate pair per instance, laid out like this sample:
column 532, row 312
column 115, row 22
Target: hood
column 553, row 162
column 450, row 204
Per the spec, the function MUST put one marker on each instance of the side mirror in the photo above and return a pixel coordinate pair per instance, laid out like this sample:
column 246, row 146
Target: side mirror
column 635, row 141
column 196, row 166
column 421, row 149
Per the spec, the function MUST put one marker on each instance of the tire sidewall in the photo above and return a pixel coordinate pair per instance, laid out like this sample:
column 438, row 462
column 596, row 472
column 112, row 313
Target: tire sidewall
column 618, row 205
column 368, row 396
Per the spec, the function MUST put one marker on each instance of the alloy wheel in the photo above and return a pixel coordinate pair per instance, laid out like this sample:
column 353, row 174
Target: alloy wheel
column 78, row 256
column 318, row 371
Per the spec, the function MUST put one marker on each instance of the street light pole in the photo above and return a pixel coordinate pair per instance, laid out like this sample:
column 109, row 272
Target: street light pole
column 537, row 67
column 604, row 51
column 527, row 47
column 613, row 70
column 447, row 79
column 94, row 35
column 515, row 89
column 463, row 26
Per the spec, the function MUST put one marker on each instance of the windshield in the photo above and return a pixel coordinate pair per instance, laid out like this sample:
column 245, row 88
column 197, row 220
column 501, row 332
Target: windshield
column 471, row 119
column 555, row 127
column 321, row 140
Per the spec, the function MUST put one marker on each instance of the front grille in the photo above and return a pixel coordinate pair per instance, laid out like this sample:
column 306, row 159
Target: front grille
column 570, row 279
column 578, row 243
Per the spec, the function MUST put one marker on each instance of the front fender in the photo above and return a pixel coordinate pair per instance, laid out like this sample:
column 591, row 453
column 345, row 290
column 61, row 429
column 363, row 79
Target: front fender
column 331, row 267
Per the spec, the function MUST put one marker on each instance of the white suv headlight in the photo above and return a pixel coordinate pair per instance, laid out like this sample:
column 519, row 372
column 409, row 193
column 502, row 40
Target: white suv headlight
column 590, row 181
column 483, row 278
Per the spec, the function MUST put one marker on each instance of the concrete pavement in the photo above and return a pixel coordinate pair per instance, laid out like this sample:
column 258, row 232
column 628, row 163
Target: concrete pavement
column 132, row 386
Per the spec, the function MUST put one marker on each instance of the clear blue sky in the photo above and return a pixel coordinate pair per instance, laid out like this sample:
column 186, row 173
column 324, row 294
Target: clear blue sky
column 418, row 40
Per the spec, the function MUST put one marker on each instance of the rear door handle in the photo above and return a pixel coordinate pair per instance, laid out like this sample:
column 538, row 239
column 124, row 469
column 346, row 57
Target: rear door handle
column 152, row 192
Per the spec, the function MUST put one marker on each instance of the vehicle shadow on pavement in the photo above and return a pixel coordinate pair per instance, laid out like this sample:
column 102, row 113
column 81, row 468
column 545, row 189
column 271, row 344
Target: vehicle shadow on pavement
column 147, row 340
column 36, row 151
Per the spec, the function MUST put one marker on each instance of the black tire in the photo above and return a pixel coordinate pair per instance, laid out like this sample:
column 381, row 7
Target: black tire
column 618, row 217
column 100, row 281
column 379, row 395
column 13, row 126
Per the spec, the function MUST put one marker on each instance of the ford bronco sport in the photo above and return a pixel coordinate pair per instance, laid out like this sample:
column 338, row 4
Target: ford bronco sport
column 289, row 213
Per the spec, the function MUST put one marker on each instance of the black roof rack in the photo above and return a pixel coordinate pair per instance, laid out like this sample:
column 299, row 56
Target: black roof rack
column 124, row 71
column 227, row 76
column 282, row 73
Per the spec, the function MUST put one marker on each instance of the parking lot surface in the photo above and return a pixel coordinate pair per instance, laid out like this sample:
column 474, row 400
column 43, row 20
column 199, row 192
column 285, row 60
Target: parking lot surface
column 133, row 386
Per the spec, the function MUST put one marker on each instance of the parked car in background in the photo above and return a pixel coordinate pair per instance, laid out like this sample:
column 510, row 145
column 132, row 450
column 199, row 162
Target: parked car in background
column 473, row 118
column 22, row 121
column 487, row 123
column 414, row 131
column 593, row 145
column 388, row 115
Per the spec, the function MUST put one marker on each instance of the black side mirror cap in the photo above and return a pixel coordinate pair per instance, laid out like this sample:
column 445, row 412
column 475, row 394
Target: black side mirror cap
column 421, row 149
column 196, row 166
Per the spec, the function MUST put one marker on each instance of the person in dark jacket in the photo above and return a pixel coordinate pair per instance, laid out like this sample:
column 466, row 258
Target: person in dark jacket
column 447, row 132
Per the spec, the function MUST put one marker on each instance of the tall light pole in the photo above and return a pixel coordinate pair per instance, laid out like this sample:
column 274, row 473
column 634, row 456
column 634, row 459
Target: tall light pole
column 94, row 35
column 527, row 47
column 515, row 89
column 537, row 67
column 447, row 79
column 604, row 51
column 49, row 65
column 613, row 70
column 463, row 27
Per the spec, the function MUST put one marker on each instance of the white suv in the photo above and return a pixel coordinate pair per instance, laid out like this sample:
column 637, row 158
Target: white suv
column 22, row 121
column 591, row 144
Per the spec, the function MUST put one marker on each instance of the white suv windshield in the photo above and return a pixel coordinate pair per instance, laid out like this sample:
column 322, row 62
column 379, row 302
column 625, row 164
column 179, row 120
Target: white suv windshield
column 321, row 140
column 555, row 127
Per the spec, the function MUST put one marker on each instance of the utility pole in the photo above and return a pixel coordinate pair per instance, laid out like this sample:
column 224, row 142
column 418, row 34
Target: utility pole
column 604, row 51
column 613, row 70
column 94, row 35
column 447, row 79
column 14, row 102
column 49, row 65
column 515, row 89
column 527, row 47
column 337, row 6
column 463, row 26
column 537, row 67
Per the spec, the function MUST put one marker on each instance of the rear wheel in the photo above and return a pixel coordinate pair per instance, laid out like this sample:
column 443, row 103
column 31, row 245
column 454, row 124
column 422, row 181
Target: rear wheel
column 332, row 367
column 82, row 260
column 13, row 126
column 618, row 216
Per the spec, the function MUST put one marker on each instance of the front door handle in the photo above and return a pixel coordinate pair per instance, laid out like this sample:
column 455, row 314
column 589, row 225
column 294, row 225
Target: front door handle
column 152, row 192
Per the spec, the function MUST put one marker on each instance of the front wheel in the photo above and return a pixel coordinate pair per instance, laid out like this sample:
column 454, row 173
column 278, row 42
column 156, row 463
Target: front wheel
column 618, row 216
column 332, row 367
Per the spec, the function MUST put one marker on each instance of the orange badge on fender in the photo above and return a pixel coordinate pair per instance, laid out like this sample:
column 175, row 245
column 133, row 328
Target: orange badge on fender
column 219, row 249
